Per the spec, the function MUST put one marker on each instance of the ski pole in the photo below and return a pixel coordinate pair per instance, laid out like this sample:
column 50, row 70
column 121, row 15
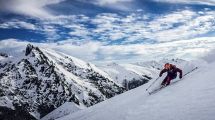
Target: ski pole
column 190, row 71
column 152, row 83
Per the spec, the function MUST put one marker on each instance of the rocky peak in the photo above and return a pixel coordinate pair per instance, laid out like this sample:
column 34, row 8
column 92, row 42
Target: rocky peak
column 28, row 49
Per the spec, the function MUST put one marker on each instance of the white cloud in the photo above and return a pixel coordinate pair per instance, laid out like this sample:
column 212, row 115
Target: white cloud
column 18, row 24
column 50, row 32
column 105, row 2
column 97, row 52
column 78, row 30
column 115, row 4
column 119, row 29
column 137, row 27
column 204, row 2
column 210, row 57
column 33, row 8
column 86, row 51
column 185, row 49
column 189, row 26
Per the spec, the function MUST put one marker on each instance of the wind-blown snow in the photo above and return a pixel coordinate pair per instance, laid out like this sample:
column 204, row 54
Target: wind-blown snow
column 192, row 98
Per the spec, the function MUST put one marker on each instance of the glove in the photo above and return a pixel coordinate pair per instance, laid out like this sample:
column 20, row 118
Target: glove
column 180, row 76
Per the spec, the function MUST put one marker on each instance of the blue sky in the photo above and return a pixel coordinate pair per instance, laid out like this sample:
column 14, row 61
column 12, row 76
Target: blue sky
column 112, row 30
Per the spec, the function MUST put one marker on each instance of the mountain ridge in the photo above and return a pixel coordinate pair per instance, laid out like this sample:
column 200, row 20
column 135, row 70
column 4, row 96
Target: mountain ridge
column 44, row 84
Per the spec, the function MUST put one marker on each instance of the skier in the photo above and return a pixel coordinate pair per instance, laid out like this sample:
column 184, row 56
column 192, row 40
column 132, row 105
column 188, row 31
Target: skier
column 171, row 73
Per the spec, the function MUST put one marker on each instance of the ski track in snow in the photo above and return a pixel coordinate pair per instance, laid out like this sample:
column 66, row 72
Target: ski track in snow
column 190, row 99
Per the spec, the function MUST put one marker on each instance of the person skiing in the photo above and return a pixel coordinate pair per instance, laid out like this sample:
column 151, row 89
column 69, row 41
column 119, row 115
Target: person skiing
column 171, row 73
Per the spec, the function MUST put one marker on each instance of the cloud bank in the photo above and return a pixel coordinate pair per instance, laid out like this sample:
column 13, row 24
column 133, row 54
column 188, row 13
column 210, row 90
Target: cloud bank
column 114, row 4
column 32, row 8
column 99, row 53
column 201, row 2
column 113, row 28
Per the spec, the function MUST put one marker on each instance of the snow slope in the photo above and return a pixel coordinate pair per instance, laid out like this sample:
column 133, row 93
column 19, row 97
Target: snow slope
column 65, row 109
column 190, row 99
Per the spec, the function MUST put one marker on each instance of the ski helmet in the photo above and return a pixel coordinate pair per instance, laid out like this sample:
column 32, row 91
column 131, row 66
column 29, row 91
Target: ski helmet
column 167, row 66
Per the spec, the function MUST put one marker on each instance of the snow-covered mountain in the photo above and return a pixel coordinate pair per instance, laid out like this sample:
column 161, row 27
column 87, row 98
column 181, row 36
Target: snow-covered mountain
column 159, row 64
column 35, row 81
column 191, row 98
column 135, row 74
column 129, row 75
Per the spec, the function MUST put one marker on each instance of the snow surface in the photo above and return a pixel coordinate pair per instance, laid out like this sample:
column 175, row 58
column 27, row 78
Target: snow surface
column 192, row 98
column 1, row 58
column 65, row 109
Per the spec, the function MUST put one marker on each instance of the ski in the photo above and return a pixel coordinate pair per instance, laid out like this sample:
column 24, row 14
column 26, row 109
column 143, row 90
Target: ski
column 156, row 90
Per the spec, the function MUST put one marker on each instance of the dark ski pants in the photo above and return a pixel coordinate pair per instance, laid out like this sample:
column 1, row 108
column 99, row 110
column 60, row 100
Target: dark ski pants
column 167, row 80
